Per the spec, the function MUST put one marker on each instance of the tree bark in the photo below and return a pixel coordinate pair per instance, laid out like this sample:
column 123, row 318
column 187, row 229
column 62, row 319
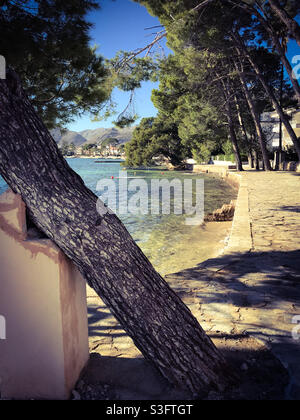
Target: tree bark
column 256, row 120
column 286, row 63
column 58, row 202
column 281, row 52
column 251, row 159
column 275, row 102
column 275, row 41
column 244, row 130
column 290, row 23
column 233, row 137
column 224, row 86
column 256, row 159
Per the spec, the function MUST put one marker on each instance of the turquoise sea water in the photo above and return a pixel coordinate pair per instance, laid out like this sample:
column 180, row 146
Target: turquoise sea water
column 161, row 237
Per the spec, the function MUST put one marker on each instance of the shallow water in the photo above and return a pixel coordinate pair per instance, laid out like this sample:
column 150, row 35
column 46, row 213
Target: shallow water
column 167, row 241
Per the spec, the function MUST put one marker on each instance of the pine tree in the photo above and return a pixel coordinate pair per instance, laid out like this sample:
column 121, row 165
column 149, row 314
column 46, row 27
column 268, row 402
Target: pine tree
column 210, row 28
column 47, row 43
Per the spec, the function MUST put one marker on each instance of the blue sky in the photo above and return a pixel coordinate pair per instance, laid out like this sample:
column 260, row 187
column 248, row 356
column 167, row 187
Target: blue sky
column 293, row 49
column 120, row 25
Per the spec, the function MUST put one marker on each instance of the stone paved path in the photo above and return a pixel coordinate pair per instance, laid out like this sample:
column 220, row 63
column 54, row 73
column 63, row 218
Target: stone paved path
column 252, row 288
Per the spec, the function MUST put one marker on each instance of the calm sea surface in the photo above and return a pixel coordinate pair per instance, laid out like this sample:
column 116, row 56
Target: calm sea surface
column 163, row 238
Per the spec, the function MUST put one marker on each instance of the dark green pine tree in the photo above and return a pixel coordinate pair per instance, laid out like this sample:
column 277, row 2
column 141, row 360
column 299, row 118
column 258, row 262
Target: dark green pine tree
column 210, row 27
column 47, row 43
column 152, row 138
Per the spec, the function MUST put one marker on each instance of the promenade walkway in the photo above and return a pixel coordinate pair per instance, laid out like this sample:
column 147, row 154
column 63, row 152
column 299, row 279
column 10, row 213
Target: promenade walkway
column 250, row 292
column 254, row 287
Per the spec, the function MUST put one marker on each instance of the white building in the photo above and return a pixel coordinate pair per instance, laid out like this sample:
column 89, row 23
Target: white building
column 271, row 125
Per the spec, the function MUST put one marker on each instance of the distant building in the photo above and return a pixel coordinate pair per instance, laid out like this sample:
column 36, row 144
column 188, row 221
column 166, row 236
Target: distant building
column 113, row 150
column 271, row 125
column 78, row 150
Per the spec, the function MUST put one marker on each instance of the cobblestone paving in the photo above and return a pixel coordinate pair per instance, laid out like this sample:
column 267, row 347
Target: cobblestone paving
column 275, row 210
column 254, row 291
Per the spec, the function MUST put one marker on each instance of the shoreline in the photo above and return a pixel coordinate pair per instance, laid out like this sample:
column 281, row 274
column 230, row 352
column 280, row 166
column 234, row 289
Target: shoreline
column 244, row 299
column 210, row 239
column 95, row 157
column 217, row 235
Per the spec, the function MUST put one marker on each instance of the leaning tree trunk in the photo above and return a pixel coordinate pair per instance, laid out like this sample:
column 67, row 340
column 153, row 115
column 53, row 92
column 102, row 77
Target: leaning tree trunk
column 232, row 134
column 256, row 120
column 290, row 23
column 276, row 43
column 256, row 159
column 286, row 63
column 244, row 130
column 233, row 137
column 269, row 91
column 58, row 202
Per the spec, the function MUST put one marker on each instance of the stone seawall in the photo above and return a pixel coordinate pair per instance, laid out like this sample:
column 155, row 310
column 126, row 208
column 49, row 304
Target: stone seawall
column 218, row 169
column 213, row 169
column 224, row 171
column 240, row 238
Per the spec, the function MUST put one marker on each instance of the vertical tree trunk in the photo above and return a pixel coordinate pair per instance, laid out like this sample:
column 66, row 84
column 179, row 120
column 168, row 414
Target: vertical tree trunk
column 233, row 137
column 279, row 152
column 251, row 159
column 161, row 326
column 256, row 158
column 275, row 102
column 224, row 86
column 256, row 120
column 290, row 23
column 246, row 137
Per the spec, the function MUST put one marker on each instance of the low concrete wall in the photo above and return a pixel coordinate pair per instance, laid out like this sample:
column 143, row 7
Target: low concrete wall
column 213, row 169
column 240, row 239
column 231, row 177
column 43, row 302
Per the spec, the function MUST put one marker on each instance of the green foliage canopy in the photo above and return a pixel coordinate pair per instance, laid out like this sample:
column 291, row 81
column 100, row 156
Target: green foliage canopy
column 47, row 43
column 152, row 138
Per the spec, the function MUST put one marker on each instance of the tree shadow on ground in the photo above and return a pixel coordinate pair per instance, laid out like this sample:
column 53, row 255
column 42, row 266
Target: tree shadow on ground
column 128, row 378
column 262, row 288
column 259, row 281
column 99, row 323
column 273, row 274
column 260, row 376
column 295, row 209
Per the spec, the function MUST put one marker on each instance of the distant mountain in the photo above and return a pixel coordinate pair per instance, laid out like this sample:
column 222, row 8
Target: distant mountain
column 56, row 134
column 96, row 136
column 100, row 134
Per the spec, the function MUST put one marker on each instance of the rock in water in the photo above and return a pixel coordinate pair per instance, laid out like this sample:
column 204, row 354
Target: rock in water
column 225, row 214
